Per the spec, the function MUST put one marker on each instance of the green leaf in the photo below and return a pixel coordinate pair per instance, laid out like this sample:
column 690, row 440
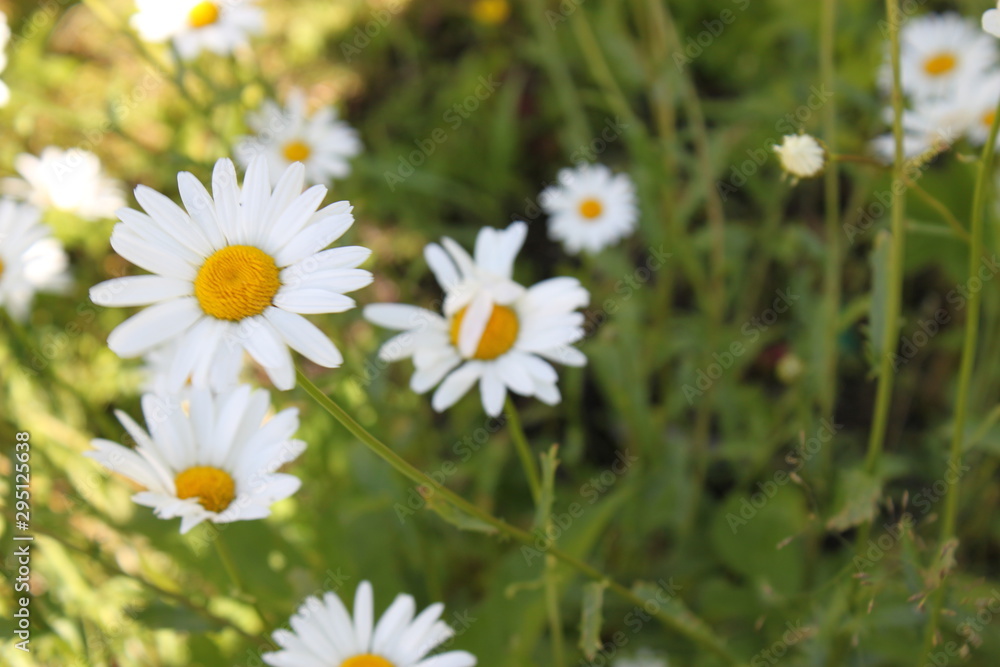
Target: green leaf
column 879, row 306
column 591, row 619
column 857, row 499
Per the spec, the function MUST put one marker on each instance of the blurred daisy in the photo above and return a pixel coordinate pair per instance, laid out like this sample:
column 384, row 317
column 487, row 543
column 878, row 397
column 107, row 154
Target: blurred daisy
column 493, row 330
column 214, row 460
column 991, row 21
column 195, row 25
column 490, row 12
column 980, row 102
column 235, row 272
column 286, row 135
column 801, row 156
column 590, row 208
column 929, row 129
column 937, row 51
column 66, row 180
column 31, row 260
column 4, row 38
column 324, row 633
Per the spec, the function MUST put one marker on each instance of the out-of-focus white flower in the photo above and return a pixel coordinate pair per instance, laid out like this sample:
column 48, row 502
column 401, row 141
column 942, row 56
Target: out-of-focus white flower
column 590, row 208
column 4, row 38
column 31, row 260
column 991, row 21
column 66, row 180
column 319, row 140
column 801, row 156
column 932, row 127
column 198, row 25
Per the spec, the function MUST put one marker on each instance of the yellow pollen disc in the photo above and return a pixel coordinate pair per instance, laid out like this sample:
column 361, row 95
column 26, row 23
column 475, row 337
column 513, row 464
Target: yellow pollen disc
column 366, row 660
column 987, row 121
column 940, row 64
column 591, row 208
column 491, row 12
column 1, row 267
column 499, row 336
column 236, row 282
column 296, row 151
column 213, row 488
column 203, row 14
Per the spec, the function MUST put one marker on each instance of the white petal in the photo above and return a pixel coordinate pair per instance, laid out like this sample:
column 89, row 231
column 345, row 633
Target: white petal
column 304, row 337
column 493, row 391
column 153, row 326
column 139, row 290
column 456, row 385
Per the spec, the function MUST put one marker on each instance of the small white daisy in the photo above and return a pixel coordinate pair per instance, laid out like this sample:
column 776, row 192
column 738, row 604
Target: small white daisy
column 937, row 51
column 234, row 272
column 31, row 260
column 493, row 330
column 590, row 208
column 286, row 135
column 214, row 458
column 991, row 21
column 194, row 26
column 801, row 156
column 69, row 180
column 931, row 127
column 324, row 634
column 980, row 103
column 4, row 38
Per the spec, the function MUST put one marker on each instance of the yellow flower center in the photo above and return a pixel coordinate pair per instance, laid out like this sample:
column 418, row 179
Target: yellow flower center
column 491, row 12
column 203, row 14
column 296, row 151
column 499, row 336
column 213, row 488
column 987, row 120
column 940, row 64
column 366, row 660
column 236, row 282
column 591, row 208
column 1, row 267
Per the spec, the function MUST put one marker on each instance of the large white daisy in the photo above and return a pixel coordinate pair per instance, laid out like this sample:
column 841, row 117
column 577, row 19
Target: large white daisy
column 69, row 180
column 212, row 458
column 319, row 140
column 493, row 331
column 31, row 260
column 194, row 26
column 590, row 208
column 324, row 634
column 234, row 272
column 937, row 52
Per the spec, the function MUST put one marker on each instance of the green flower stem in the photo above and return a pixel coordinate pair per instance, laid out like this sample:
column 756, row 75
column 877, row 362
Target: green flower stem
column 965, row 371
column 230, row 567
column 831, row 193
column 683, row 626
column 523, row 449
column 552, row 608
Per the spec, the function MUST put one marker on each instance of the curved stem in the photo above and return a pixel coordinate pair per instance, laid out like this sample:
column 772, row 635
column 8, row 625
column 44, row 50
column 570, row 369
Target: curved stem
column 965, row 371
column 687, row 626
column 523, row 449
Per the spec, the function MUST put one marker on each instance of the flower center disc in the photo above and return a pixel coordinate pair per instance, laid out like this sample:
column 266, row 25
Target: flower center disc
column 499, row 336
column 366, row 660
column 591, row 208
column 203, row 14
column 491, row 12
column 213, row 488
column 987, row 121
column 296, row 151
column 236, row 282
column 1, row 267
column 940, row 64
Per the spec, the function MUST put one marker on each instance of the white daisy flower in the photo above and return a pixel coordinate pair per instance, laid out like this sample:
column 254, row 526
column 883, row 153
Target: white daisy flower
column 801, row 156
column 212, row 459
column 590, row 208
column 991, row 21
column 4, row 38
column 493, row 330
column 324, row 634
column 69, row 180
column 932, row 127
column 221, row 27
column 980, row 103
column 234, row 272
column 31, row 260
column 286, row 135
column 937, row 51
